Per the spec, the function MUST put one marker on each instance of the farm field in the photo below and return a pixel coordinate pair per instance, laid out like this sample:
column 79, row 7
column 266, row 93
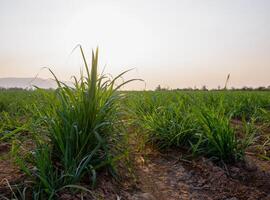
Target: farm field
column 166, row 145
column 93, row 141
column 177, row 107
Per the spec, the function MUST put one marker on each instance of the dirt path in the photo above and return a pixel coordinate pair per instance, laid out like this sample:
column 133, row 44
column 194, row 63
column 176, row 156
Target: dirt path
column 159, row 178
column 168, row 177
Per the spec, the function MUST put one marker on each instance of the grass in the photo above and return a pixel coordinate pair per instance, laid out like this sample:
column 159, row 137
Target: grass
column 168, row 125
column 84, row 132
column 217, row 139
column 199, row 121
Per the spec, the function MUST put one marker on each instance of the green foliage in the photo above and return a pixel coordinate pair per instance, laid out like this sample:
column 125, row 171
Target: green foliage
column 83, row 129
column 218, row 139
column 168, row 125
column 265, row 116
column 77, row 131
column 199, row 121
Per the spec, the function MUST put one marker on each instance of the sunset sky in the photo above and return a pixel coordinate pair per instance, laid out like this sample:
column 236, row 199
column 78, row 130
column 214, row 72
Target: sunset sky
column 174, row 43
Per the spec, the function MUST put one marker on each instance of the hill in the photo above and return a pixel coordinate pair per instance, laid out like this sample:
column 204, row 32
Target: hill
column 26, row 83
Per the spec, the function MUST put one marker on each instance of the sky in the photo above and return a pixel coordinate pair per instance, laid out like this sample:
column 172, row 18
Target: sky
column 174, row 43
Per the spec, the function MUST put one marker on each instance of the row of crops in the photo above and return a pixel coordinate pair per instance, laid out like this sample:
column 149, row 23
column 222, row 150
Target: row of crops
column 202, row 122
column 77, row 132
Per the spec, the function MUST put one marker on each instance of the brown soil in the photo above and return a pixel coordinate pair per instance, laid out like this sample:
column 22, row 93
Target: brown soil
column 9, row 173
column 170, row 176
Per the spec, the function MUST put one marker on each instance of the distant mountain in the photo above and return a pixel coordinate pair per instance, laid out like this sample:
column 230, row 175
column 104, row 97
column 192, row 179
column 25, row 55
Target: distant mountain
column 27, row 83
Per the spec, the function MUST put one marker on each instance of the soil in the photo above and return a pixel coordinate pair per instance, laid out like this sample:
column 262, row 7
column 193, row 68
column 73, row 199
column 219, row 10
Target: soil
column 9, row 173
column 172, row 176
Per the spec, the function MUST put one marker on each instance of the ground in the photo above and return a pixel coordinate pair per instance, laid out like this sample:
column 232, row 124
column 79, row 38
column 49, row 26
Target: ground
column 170, row 176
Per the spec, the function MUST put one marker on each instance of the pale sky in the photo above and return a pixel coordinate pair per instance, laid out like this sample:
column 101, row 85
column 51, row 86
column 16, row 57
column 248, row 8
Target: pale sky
column 174, row 43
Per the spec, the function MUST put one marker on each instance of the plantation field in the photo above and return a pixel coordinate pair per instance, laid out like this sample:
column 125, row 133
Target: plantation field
column 92, row 141
column 205, row 133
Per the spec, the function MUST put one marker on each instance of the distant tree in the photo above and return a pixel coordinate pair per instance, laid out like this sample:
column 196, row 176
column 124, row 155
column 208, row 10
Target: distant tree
column 204, row 88
column 246, row 88
column 158, row 88
column 261, row 88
